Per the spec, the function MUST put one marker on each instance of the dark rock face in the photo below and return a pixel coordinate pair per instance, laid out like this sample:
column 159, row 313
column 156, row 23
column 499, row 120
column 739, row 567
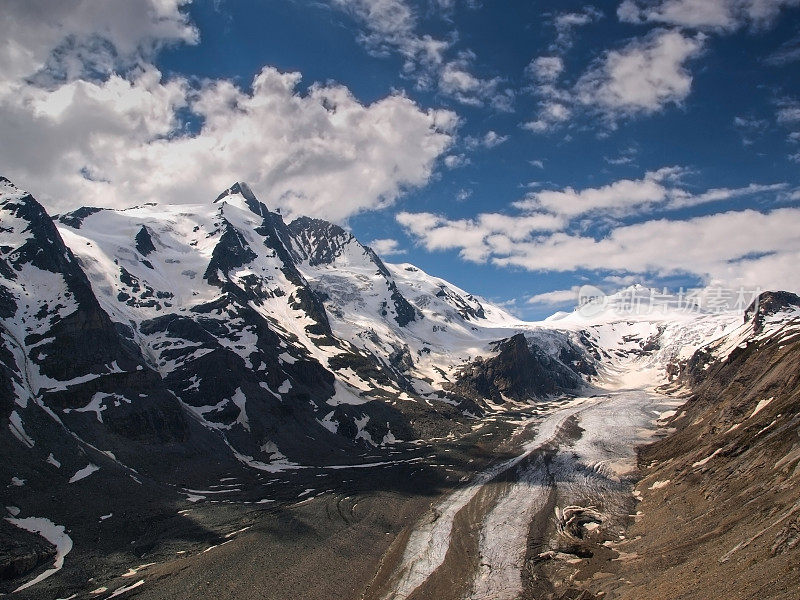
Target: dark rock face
column 462, row 305
column 404, row 312
column 75, row 218
column 9, row 377
column 576, row 360
column 317, row 241
column 139, row 294
column 520, row 371
column 378, row 262
column 144, row 243
column 401, row 359
column 767, row 304
column 278, row 238
column 21, row 552
column 231, row 252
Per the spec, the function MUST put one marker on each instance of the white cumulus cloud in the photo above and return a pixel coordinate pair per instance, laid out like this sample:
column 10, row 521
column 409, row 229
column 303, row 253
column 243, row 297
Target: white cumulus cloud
column 555, row 297
column 745, row 247
column 386, row 247
column 118, row 138
column 642, row 77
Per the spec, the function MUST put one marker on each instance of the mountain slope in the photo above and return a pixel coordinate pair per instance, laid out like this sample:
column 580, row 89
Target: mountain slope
column 720, row 515
column 163, row 355
column 157, row 350
column 286, row 344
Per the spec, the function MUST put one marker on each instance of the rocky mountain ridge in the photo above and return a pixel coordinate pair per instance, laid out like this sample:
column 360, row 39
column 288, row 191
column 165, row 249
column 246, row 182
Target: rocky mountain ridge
column 153, row 354
column 174, row 343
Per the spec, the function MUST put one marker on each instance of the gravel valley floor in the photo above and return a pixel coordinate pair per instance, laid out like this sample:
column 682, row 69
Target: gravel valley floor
column 475, row 518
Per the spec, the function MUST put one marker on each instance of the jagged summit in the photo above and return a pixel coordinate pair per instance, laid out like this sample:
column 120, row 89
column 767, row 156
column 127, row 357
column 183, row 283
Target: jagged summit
column 16, row 199
column 241, row 192
column 320, row 242
column 6, row 183
column 769, row 304
column 239, row 188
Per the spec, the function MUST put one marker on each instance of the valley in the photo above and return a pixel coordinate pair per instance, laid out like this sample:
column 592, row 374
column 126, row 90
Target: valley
column 555, row 489
column 203, row 400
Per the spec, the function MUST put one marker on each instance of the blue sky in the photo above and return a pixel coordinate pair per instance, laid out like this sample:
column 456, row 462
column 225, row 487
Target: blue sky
column 518, row 149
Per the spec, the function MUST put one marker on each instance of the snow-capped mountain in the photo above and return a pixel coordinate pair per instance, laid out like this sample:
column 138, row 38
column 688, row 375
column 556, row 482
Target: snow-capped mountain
column 645, row 331
column 153, row 350
column 270, row 335
column 285, row 343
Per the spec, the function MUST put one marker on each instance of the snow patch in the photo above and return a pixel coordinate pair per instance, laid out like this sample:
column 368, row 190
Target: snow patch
column 240, row 400
column 761, row 406
column 126, row 588
column 287, row 358
column 328, row 423
column 701, row 463
column 657, row 485
column 343, row 395
column 84, row 472
column 55, row 534
column 15, row 425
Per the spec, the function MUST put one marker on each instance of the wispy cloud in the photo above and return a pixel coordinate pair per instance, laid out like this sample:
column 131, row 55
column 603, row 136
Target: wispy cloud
column 640, row 78
column 491, row 139
column 555, row 297
column 787, row 53
column 567, row 22
column 463, row 194
column 718, row 15
column 542, row 236
column 391, row 26
column 454, row 161
column 545, row 69
column 788, row 115
column 657, row 190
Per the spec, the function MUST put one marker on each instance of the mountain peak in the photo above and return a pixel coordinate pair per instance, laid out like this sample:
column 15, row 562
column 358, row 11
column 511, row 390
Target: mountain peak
column 8, row 191
column 768, row 304
column 241, row 190
column 319, row 241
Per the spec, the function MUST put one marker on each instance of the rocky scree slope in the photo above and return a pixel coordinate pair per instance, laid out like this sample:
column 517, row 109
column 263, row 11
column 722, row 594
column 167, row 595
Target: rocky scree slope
column 720, row 515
